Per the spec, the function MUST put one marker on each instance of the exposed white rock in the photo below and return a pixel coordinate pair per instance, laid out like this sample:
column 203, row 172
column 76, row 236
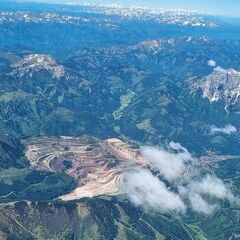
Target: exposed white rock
column 222, row 84
column 36, row 62
column 152, row 46
column 175, row 16
column 37, row 17
column 168, row 16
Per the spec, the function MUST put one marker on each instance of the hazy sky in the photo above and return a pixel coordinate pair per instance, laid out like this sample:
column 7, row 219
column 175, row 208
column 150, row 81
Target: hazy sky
column 223, row 7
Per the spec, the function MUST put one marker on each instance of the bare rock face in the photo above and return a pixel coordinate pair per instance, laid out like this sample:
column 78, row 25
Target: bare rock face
column 220, row 85
column 174, row 17
column 33, row 63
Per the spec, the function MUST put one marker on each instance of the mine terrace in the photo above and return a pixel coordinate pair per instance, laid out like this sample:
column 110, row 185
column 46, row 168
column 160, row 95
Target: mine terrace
column 96, row 164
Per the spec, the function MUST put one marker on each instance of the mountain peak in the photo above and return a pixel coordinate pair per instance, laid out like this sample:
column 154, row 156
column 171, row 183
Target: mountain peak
column 221, row 85
column 33, row 63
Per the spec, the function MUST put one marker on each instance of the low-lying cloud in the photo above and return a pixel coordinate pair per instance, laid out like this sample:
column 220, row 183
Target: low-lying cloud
column 169, row 164
column 211, row 63
column 212, row 186
column 145, row 189
column 209, row 186
column 220, row 69
column 228, row 129
column 151, row 190
column 199, row 205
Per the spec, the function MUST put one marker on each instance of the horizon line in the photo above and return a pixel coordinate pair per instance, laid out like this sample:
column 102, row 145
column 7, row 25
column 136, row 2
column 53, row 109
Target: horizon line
column 115, row 5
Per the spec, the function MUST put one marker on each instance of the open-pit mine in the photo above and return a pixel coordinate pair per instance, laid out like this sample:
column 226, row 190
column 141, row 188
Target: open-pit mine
column 97, row 165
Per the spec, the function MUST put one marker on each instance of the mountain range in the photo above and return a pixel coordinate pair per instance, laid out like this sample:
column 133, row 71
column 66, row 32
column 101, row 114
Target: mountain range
column 88, row 93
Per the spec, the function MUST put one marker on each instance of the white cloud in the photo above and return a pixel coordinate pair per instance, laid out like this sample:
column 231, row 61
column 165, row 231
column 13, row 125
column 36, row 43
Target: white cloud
column 171, row 165
column 212, row 186
column 177, row 147
column 145, row 189
column 199, row 205
column 220, row 69
column 208, row 186
column 228, row 129
column 211, row 63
